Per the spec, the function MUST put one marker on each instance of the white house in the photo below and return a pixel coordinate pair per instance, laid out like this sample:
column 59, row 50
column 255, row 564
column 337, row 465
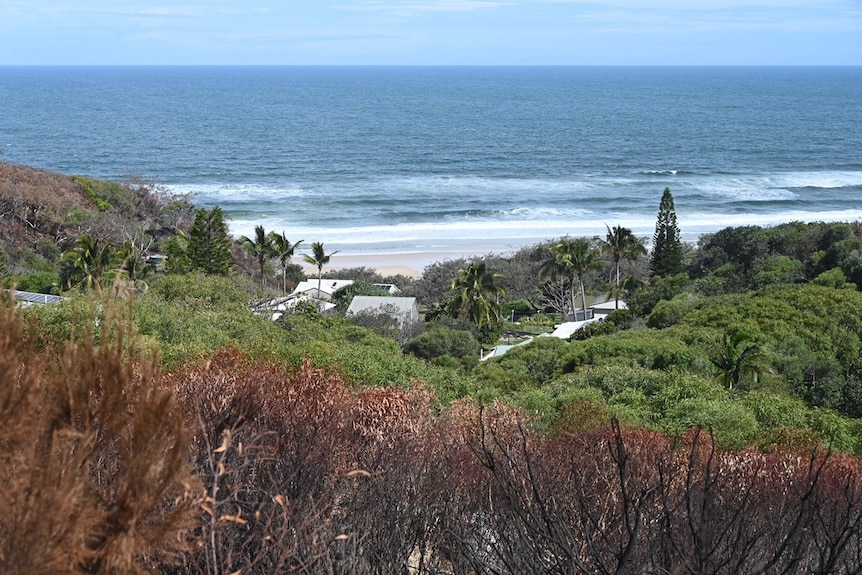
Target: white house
column 327, row 288
column 273, row 309
column 391, row 289
column 402, row 308
column 602, row 309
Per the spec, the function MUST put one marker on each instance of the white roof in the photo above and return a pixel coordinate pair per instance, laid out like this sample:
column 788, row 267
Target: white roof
column 501, row 350
column 327, row 286
column 289, row 305
column 609, row 306
column 565, row 330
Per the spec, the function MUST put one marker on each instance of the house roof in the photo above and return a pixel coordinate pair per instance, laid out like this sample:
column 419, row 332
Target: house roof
column 392, row 289
column 501, row 350
column 26, row 298
column 327, row 286
column 565, row 330
column 370, row 303
column 608, row 306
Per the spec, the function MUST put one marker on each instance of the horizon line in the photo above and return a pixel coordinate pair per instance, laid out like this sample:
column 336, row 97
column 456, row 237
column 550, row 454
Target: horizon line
column 104, row 65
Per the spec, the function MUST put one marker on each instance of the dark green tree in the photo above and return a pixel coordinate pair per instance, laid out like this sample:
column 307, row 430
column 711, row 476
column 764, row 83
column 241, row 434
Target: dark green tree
column 208, row 243
column 620, row 243
column 739, row 357
column 133, row 265
column 666, row 246
column 177, row 251
column 475, row 297
column 283, row 250
column 260, row 248
column 441, row 340
column 318, row 259
column 84, row 265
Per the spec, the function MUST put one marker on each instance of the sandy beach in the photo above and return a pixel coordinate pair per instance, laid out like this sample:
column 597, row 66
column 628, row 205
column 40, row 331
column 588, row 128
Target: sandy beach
column 388, row 264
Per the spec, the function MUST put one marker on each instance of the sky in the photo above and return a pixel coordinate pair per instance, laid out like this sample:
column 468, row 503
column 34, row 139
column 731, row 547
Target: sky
column 431, row 32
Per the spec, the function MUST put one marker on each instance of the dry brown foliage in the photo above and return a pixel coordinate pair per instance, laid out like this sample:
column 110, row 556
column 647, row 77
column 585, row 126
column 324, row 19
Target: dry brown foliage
column 35, row 204
column 93, row 459
column 298, row 467
column 630, row 501
column 295, row 472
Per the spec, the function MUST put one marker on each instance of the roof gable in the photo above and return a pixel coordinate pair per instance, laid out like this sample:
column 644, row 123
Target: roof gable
column 373, row 303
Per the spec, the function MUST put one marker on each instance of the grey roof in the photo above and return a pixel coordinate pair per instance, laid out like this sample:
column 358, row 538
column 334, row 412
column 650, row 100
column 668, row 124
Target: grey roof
column 32, row 298
column 391, row 288
column 404, row 306
column 501, row 350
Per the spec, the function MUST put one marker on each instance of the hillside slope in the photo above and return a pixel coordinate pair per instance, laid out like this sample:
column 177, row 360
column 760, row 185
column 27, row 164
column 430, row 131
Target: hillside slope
column 42, row 213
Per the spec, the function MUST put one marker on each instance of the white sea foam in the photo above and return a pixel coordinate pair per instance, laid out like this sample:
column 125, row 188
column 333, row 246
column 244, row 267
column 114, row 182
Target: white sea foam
column 501, row 236
column 234, row 193
column 826, row 180
column 771, row 187
column 389, row 214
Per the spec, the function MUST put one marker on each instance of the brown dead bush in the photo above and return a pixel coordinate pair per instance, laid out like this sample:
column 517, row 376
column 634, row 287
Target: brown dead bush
column 93, row 458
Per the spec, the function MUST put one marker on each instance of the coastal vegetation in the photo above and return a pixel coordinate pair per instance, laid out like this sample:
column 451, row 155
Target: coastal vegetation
column 711, row 424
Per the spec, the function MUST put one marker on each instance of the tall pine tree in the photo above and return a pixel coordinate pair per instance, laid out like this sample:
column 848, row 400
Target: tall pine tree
column 666, row 246
column 209, row 245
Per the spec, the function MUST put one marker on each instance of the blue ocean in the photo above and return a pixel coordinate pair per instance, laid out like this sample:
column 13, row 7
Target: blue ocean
column 374, row 160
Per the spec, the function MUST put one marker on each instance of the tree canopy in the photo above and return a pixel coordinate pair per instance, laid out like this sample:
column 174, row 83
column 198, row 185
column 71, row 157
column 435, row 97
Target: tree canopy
column 666, row 245
column 261, row 248
column 209, row 244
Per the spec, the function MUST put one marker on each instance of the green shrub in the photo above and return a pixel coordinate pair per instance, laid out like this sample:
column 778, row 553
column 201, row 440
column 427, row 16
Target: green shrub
column 193, row 316
column 678, row 386
column 631, row 408
column 438, row 340
column 835, row 431
column 653, row 349
column 105, row 194
column 776, row 411
column 41, row 282
column 732, row 424
column 612, row 379
column 584, row 411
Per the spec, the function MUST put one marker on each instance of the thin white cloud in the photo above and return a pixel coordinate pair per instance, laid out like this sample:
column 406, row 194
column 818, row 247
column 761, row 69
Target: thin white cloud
column 704, row 5
column 663, row 16
column 428, row 6
column 165, row 11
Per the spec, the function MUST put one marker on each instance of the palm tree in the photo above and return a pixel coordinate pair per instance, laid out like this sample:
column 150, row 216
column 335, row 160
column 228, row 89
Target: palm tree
column 283, row 250
column 318, row 258
column 476, row 293
column 558, row 268
column 738, row 357
column 620, row 243
column 134, row 265
column 260, row 248
column 572, row 259
column 84, row 264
